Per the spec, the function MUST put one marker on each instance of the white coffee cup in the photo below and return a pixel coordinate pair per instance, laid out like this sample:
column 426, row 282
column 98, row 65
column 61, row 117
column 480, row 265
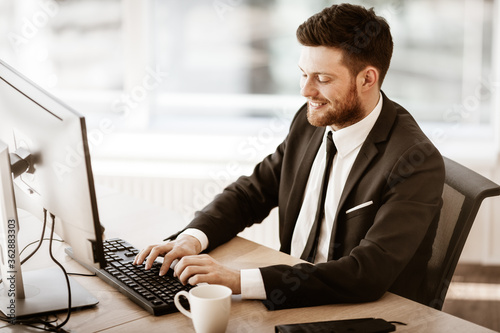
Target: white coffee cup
column 210, row 306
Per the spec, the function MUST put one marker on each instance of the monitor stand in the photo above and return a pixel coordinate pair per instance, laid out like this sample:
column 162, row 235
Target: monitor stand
column 45, row 290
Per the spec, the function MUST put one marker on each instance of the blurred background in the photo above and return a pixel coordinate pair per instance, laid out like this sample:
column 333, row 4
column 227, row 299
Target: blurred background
column 182, row 97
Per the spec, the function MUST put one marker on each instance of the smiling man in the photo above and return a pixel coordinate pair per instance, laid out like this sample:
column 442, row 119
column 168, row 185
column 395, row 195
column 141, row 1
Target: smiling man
column 357, row 183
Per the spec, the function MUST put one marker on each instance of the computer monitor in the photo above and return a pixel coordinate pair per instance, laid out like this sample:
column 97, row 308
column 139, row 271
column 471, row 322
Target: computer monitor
column 59, row 179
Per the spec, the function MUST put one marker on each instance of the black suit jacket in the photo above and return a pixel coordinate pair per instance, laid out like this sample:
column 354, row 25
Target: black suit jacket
column 383, row 246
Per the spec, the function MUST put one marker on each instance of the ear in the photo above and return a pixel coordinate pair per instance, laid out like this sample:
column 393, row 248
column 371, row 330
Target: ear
column 368, row 78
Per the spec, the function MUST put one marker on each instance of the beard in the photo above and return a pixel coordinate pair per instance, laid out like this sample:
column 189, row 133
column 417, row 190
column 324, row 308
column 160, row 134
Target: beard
column 339, row 113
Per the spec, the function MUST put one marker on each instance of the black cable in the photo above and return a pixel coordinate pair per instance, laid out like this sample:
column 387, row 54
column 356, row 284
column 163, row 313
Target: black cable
column 37, row 241
column 31, row 322
column 64, row 271
column 39, row 244
column 40, row 241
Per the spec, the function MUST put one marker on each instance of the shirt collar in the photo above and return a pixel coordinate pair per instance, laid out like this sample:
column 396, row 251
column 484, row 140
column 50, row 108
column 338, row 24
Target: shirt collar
column 349, row 138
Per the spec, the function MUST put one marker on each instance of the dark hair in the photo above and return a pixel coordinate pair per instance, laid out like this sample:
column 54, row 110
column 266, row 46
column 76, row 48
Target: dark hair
column 364, row 37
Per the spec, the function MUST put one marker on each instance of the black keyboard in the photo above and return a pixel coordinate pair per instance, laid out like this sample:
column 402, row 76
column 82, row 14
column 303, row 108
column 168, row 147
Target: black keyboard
column 145, row 287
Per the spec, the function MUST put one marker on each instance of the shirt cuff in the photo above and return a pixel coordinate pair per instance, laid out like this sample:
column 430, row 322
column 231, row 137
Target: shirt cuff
column 252, row 284
column 198, row 234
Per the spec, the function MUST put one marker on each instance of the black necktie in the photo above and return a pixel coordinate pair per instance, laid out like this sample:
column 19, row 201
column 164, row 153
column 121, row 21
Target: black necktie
column 312, row 242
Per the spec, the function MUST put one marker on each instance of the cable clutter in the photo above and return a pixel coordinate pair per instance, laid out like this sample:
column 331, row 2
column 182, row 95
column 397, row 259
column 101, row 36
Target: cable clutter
column 47, row 325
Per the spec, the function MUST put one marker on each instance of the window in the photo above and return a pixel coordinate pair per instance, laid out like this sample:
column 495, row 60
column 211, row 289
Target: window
column 65, row 45
column 226, row 50
column 442, row 64
column 227, row 64
column 227, row 59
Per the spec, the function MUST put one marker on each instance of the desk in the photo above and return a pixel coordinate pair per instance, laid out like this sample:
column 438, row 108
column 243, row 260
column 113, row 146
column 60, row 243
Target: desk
column 141, row 224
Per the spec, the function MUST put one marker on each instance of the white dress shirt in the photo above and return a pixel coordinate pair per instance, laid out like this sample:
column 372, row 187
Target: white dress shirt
column 348, row 142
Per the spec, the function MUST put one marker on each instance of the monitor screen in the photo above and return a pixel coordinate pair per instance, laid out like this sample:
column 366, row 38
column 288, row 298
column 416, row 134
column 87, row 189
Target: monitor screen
column 60, row 176
column 39, row 128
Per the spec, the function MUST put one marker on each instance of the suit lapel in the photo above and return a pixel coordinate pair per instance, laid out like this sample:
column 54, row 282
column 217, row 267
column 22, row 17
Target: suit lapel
column 299, row 185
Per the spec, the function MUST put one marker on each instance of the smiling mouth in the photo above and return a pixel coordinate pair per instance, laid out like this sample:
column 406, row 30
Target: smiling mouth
column 316, row 104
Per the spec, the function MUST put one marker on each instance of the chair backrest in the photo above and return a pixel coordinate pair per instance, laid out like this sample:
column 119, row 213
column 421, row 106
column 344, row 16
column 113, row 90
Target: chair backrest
column 463, row 193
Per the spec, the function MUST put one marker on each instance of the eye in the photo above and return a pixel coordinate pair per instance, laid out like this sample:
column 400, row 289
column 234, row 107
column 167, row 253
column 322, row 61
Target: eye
column 323, row 79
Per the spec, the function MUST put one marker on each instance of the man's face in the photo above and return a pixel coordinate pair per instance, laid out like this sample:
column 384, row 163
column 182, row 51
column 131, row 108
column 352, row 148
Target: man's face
column 330, row 89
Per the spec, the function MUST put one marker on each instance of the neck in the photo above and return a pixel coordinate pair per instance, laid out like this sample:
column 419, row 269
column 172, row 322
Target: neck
column 371, row 100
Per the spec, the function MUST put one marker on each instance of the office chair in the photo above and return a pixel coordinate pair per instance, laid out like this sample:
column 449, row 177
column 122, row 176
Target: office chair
column 463, row 193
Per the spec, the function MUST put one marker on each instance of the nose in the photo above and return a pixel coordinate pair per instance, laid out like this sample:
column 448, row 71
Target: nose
column 307, row 88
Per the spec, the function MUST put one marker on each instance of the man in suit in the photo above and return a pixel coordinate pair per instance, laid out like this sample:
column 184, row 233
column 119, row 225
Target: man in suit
column 379, row 200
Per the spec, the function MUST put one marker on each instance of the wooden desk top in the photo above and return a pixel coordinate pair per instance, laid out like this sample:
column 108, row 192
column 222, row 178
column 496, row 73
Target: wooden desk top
column 141, row 226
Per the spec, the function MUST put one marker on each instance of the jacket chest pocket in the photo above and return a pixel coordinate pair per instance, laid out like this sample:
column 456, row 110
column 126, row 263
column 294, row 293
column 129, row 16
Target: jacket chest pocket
column 355, row 226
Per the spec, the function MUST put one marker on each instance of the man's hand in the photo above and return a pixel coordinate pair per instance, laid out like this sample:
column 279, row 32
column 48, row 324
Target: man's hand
column 203, row 268
column 184, row 245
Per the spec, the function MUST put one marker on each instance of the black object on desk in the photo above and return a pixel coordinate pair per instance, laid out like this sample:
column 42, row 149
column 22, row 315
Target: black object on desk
column 361, row 325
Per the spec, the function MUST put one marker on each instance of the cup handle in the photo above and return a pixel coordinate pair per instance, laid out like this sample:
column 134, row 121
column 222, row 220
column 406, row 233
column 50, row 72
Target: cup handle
column 178, row 304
